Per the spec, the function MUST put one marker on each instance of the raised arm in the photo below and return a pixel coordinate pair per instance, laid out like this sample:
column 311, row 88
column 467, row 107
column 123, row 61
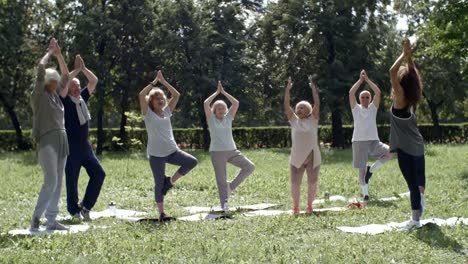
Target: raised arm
column 208, row 101
column 375, row 88
column 39, row 84
column 61, row 62
column 65, row 79
column 287, row 107
column 354, row 88
column 396, row 87
column 143, row 93
column 315, row 96
column 92, row 79
column 234, row 102
column 175, row 95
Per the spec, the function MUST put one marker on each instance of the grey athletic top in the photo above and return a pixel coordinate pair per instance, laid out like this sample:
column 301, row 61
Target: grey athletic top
column 404, row 134
column 48, row 111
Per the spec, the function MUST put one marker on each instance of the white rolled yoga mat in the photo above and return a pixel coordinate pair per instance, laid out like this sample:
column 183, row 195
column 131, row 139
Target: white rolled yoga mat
column 279, row 212
column 374, row 229
column 43, row 231
column 340, row 198
column 201, row 209
column 119, row 214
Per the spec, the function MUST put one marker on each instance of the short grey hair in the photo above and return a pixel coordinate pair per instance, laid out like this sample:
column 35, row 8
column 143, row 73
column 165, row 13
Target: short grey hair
column 51, row 75
column 219, row 102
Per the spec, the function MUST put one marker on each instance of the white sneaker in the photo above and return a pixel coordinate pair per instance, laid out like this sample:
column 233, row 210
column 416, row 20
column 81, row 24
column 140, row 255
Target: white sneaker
column 412, row 224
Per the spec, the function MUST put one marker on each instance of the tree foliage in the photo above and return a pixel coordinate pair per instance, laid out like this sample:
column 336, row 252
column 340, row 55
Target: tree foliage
column 252, row 47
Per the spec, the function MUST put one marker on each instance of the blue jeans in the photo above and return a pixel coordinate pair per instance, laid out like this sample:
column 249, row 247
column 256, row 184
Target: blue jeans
column 413, row 170
column 82, row 155
column 158, row 165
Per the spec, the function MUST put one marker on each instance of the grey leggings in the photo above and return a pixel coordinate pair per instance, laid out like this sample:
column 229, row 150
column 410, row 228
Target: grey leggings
column 220, row 160
column 158, row 165
column 53, row 168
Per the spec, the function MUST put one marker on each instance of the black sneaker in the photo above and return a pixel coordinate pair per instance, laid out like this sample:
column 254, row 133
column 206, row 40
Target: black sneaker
column 164, row 218
column 368, row 175
column 366, row 198
column 85, row 213
column 167, row 185
column 35, row 222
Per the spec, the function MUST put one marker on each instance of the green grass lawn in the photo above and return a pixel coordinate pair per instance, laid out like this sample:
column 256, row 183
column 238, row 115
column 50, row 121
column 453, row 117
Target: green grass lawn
column 280, row 239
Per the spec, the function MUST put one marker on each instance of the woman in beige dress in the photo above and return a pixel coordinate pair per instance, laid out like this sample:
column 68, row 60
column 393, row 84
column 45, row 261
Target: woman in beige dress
column 305, row 152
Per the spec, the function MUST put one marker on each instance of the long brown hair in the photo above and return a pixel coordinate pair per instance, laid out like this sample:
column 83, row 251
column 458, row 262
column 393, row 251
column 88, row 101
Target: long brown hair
column 410, row 81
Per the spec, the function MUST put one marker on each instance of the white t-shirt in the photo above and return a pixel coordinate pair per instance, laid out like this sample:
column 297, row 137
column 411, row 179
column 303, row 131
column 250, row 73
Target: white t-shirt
column 365, row 126
column 304, row 137
column 221, row 133
column 161, row 141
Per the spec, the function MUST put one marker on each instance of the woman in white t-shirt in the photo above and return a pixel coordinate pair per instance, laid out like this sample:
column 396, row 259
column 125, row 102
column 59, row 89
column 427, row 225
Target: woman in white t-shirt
column 162, row 148
column 305, row 152
column 222, row 146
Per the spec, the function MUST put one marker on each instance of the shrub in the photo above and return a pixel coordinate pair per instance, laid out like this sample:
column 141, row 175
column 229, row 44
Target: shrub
column 246, row 137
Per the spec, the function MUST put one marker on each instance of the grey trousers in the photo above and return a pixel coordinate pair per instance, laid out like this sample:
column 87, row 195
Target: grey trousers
column 220, row 160
column 53, row 167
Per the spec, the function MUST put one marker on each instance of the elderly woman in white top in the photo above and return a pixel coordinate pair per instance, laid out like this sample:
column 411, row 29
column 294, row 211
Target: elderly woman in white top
column 222, row 146
column 162, row 148
column 49, row 133
column 305, row 152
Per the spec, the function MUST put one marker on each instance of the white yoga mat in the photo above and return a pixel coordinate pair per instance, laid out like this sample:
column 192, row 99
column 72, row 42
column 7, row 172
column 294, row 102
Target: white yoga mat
column 43, row 231
column 279, row 212
column 374, row 229
column 201, row 209
column 340, row 198
column 119, row 213
column 201, row 216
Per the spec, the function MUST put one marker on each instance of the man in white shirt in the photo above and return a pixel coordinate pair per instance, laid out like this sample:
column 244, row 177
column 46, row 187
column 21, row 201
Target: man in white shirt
column 365, row 140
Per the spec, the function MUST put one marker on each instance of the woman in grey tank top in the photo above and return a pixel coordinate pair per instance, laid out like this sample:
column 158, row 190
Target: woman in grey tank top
column 405, row 138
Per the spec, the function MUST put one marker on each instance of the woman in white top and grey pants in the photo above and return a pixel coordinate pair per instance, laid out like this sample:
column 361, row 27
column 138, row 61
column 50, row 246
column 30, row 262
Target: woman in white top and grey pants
column 305, row 152
column 222, row 146
column 162, row 148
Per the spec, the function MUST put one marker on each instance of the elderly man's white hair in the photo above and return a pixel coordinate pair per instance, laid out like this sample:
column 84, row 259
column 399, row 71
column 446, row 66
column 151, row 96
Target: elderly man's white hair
column 77, row 81
column 51, row 75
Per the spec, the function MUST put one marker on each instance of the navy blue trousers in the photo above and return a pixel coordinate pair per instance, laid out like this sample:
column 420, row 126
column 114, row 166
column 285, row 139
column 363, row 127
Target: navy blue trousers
column 413, row 170
column 82, row 155
column 158, row 165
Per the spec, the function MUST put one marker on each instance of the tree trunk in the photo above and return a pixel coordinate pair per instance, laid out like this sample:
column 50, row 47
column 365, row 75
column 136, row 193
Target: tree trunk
column 337, row 128
column 123, row 117
column 206, row 133
column 15, row 122
column 436, row 131
column 100, row 89
column 100, row 114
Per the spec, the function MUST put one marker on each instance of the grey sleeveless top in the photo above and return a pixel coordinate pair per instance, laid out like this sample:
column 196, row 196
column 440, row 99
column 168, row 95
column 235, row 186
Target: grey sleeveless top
column 404, row 135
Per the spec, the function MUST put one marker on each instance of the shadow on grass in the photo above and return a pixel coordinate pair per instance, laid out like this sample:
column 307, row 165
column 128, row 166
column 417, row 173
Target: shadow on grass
column 199, row 154
column 28, row 158
column 432, row 235
column 464, row 176
column 384, row 204
column 18, row 241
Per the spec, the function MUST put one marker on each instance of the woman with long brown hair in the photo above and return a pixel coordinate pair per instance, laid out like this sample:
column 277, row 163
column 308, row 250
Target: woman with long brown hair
column 405, row 138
